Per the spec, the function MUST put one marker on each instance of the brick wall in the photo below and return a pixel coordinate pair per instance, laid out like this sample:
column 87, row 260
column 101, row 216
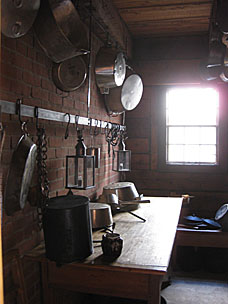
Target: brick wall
column 163, row 63
column 26, row 73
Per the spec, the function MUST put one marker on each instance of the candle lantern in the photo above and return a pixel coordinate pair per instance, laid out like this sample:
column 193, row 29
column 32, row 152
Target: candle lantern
column 80, row 168
column 121, row 160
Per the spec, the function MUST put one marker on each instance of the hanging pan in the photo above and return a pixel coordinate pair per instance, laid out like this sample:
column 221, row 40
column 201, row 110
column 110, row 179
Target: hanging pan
column 110, row 69
column 18, row 16
column 20, row 173
column 59, row 30
column 125, row 98
column 70, row 74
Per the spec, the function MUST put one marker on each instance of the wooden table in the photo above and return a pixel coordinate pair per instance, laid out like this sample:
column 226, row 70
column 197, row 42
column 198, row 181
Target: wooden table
column 137, row 273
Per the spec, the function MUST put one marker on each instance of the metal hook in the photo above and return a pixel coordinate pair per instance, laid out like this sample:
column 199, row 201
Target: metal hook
column 18, row 109
column 100, row 126
column 24, row 127
column 96, row 129
column 18, row 112
column 90, row 126
column 106, row 127
column 36, row 115
column 67, row 127
column 76, row 121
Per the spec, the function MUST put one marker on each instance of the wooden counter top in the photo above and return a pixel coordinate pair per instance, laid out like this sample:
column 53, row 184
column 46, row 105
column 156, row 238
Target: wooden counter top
column 137, row 273
column 146, row 245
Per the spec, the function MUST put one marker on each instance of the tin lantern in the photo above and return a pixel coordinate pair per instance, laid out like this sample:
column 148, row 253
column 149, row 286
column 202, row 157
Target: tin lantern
column 80, row 168
column 121, row 161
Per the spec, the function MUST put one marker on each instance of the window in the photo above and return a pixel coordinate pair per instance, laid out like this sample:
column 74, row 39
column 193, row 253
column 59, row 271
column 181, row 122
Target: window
column 192, row 129
column 192, row 126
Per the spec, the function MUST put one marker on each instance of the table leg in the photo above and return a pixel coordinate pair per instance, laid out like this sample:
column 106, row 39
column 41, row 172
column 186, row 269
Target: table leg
column 48, row 293
column 154, row 289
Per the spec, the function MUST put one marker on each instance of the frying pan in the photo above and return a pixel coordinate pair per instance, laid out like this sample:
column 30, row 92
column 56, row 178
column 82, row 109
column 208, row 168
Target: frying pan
column 20, row 174
column 70, row 74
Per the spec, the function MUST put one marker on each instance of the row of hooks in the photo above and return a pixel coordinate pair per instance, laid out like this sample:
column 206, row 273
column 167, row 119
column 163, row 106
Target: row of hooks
column 96, row 126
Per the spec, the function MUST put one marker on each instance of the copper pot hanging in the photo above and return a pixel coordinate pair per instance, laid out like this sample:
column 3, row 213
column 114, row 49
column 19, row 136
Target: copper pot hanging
column 18, row 16
column 125, row 98
column 59, row 30
column 110, row 69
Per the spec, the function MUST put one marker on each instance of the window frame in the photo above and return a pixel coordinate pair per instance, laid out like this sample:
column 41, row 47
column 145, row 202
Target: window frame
column 222, row 134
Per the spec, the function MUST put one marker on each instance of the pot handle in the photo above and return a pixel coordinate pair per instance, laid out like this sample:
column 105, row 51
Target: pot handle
column 70, row 193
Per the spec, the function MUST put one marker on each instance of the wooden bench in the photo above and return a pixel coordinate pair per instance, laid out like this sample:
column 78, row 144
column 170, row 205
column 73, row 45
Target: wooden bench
column 201, row 238
column 198, row 238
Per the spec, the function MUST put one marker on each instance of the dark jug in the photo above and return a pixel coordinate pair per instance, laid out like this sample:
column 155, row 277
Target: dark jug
column 112, row 245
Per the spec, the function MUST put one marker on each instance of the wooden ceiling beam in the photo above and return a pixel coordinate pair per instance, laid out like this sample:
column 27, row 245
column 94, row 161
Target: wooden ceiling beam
column 191, row 20
column 108, row 14
column 170, row 28
column 165, row 12
column 174, row 31
column 122, row 4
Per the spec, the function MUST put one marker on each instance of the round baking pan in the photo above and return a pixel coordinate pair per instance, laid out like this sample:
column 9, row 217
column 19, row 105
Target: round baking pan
column 70, row 74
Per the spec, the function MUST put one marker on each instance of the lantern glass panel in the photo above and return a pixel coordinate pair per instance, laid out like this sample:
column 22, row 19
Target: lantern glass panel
column 89, row 168
column 121, row 160
column 80, row 172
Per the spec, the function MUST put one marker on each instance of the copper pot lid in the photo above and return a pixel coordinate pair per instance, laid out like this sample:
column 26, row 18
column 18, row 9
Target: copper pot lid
column 131, row 92
column 70, row 74
column 18, row 16
column 222, row 211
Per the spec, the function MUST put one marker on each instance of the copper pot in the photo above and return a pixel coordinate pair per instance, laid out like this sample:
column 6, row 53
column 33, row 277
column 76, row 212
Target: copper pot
column 59, row 30
column 110, row 69
column 101, row 215
column 125, row 98
column 126, row 191
column 18, row 16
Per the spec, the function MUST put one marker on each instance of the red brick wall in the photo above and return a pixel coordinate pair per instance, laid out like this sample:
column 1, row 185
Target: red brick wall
column 26, row 73
column 176, row 61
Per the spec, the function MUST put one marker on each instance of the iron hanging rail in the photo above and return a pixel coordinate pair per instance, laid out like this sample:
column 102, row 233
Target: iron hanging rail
column 25, row 110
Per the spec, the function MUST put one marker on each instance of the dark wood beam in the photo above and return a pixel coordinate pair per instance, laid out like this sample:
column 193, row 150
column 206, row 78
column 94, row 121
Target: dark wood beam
column 122, row 4
column 105, row 13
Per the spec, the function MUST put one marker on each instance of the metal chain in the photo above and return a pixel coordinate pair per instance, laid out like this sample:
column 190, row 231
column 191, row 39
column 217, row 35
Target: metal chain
column 112, row 137
column 43, row 182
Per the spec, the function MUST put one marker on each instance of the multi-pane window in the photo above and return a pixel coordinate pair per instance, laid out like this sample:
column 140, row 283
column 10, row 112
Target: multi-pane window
column 192, row 126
